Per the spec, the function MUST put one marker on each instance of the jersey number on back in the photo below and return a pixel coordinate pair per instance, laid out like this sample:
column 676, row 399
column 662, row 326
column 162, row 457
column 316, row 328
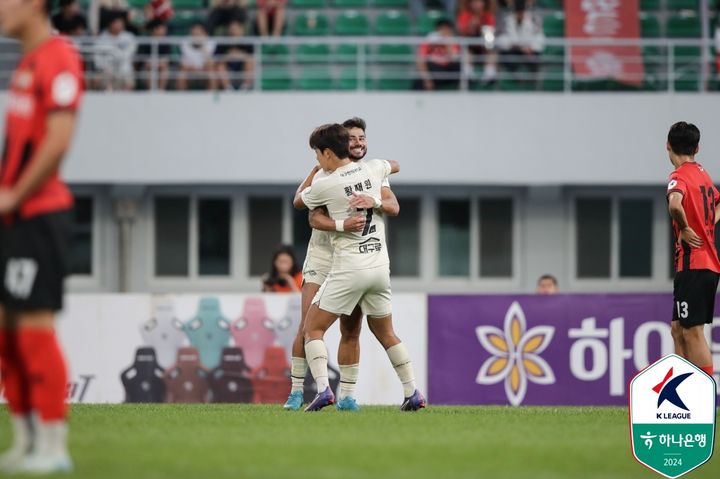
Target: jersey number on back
column 368, row 221
column 708, row 195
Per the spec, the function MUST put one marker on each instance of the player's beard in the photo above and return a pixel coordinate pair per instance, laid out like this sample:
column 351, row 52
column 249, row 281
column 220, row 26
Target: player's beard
column 360, row 155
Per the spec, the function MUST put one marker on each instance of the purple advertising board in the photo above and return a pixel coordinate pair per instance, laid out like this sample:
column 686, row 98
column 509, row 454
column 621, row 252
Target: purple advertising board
column 546, row 350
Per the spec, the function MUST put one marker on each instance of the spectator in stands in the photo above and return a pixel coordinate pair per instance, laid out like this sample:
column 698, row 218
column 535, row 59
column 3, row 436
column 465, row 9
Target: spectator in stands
column 156, row 59
column 235, row 63
column 114, row 52
column 196, row 58
column 521, row 43
column 547, row 284
column 161, row 10
column 69, row 20
column 223, row 12
column 270, row 19
column 477, row 20
column 102, row 12
column 419, row 7
column 285, row 275
column 439, row 59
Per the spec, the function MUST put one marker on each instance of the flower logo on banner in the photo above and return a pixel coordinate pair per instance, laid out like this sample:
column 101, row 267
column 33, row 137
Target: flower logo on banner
column 515, row 355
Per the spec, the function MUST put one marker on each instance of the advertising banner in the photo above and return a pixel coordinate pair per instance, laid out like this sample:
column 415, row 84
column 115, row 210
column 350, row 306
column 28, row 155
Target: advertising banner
column 546, row 350
column 605, row 19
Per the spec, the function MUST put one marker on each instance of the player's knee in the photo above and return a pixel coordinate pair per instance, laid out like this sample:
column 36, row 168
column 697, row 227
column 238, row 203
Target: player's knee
column 676, row 331
column 693, row 334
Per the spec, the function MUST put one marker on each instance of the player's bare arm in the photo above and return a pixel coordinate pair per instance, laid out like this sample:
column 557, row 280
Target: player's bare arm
column 320, row 220
column 298, row 203
column 60, row 129
column 677, row 212
column 717, row 213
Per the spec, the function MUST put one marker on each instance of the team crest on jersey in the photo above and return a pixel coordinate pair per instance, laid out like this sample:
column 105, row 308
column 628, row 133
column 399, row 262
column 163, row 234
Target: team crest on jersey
column 65, row 89
column 23, row 79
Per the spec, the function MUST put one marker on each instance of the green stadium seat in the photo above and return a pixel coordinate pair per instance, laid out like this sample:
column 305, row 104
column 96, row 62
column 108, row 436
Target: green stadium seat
column 554, row 25
column 650, row 5
column 553, row 78
column 183, row 20
column 393, row 23
column 307, row 3
column 390, row 3
column 311, row 24
column 314, row 53
column 426, row 23
column 550, row 4
column 137, row 3
column 395, row 53
column 649, row 26
column 684, row 25
column 348, row 53
column 683, row 5
column 349, row 3
column 352, row 23
column 394, row 79
column 687, row 68
column 315, row 78
column 275, row 54
column 508, row 84
column 274, row 79
column 348, row 80
column 186, row 4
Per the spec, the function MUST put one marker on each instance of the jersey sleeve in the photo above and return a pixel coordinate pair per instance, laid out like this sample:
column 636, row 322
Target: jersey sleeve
column 381, row 169
column 314, row 196
column 386, row 183
column 676, row 185
column 61, row 81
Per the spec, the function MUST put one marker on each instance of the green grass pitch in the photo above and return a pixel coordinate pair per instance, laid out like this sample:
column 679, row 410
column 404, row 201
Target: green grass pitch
column 253, row 441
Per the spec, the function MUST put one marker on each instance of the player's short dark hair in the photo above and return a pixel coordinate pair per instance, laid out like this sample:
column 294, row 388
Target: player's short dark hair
column 49, row 6
column 684, row 138
column 548, row 276
column 355, row 122
column 332, row 136
column 443, row 22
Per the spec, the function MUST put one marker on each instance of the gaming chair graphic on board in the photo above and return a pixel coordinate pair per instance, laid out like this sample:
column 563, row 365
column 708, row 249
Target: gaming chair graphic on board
column 286, row 327
column 187, row 381
column 271, row 381
column 208, row 331
column 253, row 331
column 230, row 381
column 143, row 381
column 164, row 332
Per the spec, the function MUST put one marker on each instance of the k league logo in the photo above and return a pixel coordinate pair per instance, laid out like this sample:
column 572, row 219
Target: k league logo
column 672, row 416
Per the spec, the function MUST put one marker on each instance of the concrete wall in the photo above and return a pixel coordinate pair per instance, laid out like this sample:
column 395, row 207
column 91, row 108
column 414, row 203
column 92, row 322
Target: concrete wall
column 511, row 139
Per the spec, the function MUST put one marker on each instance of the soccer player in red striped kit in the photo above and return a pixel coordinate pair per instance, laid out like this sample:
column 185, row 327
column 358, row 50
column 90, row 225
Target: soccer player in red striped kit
column 693, row 202
column 35, row 226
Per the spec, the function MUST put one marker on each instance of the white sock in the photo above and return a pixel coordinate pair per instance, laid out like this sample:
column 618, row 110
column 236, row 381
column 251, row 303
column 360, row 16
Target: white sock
column 317, row 358
column 400, row 360
column 51, row 439
column 297, row 374
column 348, row 379
column 22, row 435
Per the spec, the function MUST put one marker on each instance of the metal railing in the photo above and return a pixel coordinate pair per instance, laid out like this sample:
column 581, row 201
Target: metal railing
column 390, row 63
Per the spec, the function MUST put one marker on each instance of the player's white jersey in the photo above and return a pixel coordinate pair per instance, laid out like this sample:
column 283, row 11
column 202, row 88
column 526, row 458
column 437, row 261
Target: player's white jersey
column 352, row 250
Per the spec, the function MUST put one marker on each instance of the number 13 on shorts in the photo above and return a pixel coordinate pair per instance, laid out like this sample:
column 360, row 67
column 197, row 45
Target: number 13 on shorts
column 682, row 309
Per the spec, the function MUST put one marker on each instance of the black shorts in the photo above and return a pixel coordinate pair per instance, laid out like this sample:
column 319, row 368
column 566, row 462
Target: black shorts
column 694, row 297
column 33, row 261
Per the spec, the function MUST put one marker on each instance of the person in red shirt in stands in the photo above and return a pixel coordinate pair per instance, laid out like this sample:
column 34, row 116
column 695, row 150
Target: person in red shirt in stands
column 477, row 20
column 159, row 10
column 35, row 230
column 270, row 17
column 285, row 275
column 439, row 59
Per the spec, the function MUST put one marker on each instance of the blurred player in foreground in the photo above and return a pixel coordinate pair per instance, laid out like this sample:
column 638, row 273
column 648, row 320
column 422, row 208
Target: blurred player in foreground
column 693, row 204
column 35, row 226
column 315, row 271
column 360, row 273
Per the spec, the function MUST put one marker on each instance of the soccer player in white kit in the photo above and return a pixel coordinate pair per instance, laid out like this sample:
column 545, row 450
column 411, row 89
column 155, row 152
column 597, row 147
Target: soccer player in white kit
column 360, row 273
column 316, row 269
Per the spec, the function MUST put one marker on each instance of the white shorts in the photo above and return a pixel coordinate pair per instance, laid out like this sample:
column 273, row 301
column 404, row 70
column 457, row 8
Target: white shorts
column 369, row 288
column 316, row 270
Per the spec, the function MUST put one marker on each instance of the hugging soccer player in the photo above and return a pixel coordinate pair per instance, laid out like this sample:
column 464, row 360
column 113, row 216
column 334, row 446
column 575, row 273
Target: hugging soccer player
column 35, row 226
column 693, row 203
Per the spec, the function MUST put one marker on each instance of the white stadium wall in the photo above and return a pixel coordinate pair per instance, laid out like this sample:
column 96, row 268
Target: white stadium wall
column 513, row 139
